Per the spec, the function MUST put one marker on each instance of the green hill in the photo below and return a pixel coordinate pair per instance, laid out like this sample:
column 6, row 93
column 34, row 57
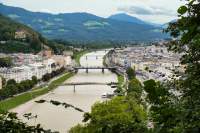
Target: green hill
column 16, row 37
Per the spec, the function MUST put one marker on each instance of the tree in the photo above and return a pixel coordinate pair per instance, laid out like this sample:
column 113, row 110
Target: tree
column 130, row 73
column 46, row 77
column 186, row 31
column 3, row 81
column 26, row 85
column 11, row 82
column 135, row 87
column 165, row 108
column 12, row 89
column 9, row 123
column 35, row 80
column 146, row 68
column 180, row 113
column 155, row 91
column 119, row 115
column 6, row 62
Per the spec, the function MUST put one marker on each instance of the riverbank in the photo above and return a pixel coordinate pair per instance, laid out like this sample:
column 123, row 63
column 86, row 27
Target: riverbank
column 120, row 77
column 27, row 96
column 104, row 61
column 78, row 55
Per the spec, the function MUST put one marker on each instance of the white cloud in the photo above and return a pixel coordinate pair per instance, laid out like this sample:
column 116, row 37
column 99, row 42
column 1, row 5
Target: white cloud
column 147, row 10
column 45, row 10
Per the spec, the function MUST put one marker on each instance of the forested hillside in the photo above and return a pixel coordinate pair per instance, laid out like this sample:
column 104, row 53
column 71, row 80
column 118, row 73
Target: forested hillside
column 17, row 37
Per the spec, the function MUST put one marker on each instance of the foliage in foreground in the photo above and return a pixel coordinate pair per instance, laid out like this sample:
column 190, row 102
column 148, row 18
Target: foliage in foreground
column 176, row 106
column 119, row 115
column 9, row 123
column 122, row 114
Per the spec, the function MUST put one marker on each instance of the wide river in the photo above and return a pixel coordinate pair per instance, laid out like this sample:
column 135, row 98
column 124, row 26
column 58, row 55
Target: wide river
column 59, row 118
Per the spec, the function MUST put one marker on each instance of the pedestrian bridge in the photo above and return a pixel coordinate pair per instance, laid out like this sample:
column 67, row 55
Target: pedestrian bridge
column 88, row 83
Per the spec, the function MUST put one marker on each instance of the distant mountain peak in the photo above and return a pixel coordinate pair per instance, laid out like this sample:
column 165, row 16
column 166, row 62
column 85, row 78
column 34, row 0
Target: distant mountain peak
column 126, row 18
column 131, row 19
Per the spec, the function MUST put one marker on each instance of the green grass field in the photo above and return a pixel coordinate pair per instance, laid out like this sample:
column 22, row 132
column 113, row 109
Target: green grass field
column 25, row 97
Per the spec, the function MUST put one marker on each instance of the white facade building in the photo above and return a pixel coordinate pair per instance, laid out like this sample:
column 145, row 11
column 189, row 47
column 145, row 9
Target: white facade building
column 29, row 65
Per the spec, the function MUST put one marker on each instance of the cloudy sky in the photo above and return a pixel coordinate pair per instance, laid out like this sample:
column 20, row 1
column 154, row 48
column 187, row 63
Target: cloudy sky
column 157, row 11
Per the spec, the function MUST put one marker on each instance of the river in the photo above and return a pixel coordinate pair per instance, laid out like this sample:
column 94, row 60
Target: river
column 60, row 119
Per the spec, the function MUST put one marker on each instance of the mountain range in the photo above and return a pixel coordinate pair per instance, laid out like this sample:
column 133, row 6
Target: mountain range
column 85, row 26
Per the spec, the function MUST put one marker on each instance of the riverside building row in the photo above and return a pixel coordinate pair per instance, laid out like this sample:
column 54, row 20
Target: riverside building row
column 150, row 62
column 28, row 65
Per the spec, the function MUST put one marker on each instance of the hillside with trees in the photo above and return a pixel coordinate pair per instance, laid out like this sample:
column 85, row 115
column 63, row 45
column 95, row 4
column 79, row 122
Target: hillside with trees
column 17, row 37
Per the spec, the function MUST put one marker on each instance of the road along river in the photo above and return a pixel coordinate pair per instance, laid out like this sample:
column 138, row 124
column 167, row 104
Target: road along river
column 60, row 119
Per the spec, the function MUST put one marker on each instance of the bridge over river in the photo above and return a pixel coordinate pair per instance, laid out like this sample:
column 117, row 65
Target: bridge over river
column 88, row 83
column 89, row 89
column 87, row 68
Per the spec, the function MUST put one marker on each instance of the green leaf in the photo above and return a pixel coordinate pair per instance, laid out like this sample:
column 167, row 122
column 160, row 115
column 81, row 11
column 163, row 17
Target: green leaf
column 182, row 10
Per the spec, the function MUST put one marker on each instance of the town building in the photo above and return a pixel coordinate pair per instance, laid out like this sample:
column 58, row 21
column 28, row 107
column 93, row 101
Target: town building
column 62, row 61
column 149, row 61
column 20, row 34
column 28, row 65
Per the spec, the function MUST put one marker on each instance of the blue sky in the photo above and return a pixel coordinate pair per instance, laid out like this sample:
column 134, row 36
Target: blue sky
column 157, row 11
